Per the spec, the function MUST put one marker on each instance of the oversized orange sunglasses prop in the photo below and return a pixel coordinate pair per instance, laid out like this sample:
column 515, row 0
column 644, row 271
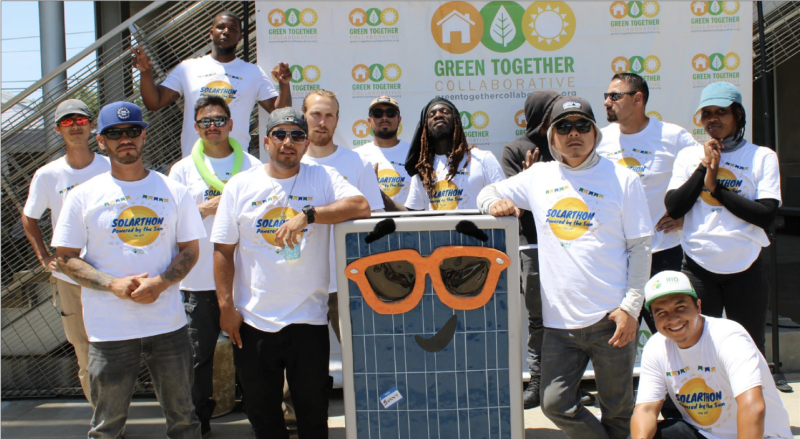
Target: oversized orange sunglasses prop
column 463, row 277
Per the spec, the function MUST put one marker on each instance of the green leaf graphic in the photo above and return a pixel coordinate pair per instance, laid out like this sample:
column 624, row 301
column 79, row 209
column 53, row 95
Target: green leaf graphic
column 503, row 29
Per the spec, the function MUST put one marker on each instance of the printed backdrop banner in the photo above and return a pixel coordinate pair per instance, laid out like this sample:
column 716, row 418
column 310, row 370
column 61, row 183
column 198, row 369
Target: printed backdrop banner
column 487, row 57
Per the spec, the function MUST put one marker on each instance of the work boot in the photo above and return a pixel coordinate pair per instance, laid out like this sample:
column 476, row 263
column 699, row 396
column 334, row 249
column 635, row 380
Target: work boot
column 530, row 397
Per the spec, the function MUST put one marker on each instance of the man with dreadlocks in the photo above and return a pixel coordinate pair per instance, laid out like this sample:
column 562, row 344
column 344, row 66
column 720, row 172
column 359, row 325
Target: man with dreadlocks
column 447, row 173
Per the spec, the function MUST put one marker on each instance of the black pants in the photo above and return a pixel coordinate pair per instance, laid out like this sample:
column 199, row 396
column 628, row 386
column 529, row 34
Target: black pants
column 302, row 351
column 743, row 296
column 202, row 312
column 531, row 287
column 676, row 429
column 669, row 259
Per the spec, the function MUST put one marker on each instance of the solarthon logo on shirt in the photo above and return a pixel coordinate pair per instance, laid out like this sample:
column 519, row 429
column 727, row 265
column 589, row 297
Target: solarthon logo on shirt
column 67, row 189
column 632, row 164
column 702, row 403
column 634, row 17
column 647, row 66
column 390, row 181
column 292, row 25
column 569, row 218
column 219, row 88
column 726, row 179
column 446, row 195
column 138, row 226
column 213, row 192
column 715, row 16
column 722, row 68
column 272, row 221
column 374, row 25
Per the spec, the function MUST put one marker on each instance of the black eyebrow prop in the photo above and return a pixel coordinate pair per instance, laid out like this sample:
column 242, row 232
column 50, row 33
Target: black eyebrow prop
column 383, row 228
column 470, row 229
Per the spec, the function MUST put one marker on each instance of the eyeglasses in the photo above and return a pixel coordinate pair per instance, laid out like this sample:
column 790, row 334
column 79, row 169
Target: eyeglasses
column 464, row 278
column 615, row 96
column 206, row 122
column 116, row 133
column 379, row 112
column 296, row 135
column 68, row 122
column 565, row 126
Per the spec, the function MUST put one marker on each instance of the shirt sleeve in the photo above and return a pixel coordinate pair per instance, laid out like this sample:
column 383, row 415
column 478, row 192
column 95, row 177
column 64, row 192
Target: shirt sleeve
column 492, row 170
column 226, row 227
column 652, row 376
column 679, row 174
column 190, row 223
column 71, row 230
column 265, row 88
column 38, row 197
column 740, row 358
column 636, row 221
column 516, row 188
column 769, row 179
column 417, row 196
column 174, row 80
column 368, row 186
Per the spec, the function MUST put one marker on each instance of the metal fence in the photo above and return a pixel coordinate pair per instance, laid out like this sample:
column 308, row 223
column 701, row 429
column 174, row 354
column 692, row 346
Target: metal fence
column 37, row 360
column 781, row 34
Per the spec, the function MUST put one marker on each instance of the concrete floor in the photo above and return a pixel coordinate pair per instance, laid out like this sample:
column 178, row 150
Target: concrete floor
column 68, row 419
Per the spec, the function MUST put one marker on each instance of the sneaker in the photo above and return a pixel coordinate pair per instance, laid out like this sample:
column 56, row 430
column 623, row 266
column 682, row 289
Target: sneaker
column 205, row 429
column 531, row 397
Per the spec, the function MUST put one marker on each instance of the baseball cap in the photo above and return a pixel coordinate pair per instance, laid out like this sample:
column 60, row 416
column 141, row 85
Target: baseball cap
column 667, row 283
column 384, row 100
column 571, row 106
column 120, row 113
column 288, row 115
column 72, row 106
column 719, row 94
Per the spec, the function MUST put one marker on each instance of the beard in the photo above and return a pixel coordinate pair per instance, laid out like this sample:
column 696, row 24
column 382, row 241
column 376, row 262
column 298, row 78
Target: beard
column 222, row 50
column 385, row 135
column 127, row 158
column 611, row 116
column 320, row 139
column 445, row 132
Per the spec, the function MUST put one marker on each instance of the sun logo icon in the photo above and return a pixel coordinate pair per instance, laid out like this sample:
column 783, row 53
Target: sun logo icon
column 730, row 8
column 652, row 64
column 389, row 16
column 655, row 114
column 311, row 73
column 308, row 17
column 650, row 9
column 480, row 120
column 731, row 61
column 548, row 25
column 392, row 72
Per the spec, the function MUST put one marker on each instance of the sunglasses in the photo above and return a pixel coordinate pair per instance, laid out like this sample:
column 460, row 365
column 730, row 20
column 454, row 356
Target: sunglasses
column 565, row 126
column 464, row 278
column 206, row 122
column 68, row 122
column 615, row 96
column 116, row 133
column 296, row 135
column 379, row 112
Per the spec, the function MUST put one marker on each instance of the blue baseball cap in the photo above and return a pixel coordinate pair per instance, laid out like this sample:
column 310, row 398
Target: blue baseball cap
column 719, row 94
column 120, row 113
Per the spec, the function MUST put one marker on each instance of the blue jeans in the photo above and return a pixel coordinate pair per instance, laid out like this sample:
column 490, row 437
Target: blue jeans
column 202, row 312
column 565, row 354
column 114, row 367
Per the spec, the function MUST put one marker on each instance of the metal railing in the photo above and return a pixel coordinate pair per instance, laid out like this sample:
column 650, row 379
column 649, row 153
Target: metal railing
column 781, row 34
column 37, row 360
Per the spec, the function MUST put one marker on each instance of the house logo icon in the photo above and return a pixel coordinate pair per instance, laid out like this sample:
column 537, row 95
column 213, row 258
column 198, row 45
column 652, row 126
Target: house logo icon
column 700, row 62
column 360, row 73
column 716, row 62
column 620, row 64
column 373, row 17
column 361, row 129
column 519, row 119
column 376, row 72
column 636, row 64
column 714, row 8
column 619, row 10
column 696, row 119
column 357, row 17
column 292, row 17
column 457, row 27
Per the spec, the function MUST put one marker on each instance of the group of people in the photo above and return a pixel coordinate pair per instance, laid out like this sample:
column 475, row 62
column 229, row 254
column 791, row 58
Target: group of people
column 151, row 267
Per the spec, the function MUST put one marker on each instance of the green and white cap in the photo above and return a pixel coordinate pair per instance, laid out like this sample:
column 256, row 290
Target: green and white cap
column 667, row 283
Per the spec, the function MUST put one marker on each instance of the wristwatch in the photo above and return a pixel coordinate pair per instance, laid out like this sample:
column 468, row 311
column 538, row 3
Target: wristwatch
column 309, row 212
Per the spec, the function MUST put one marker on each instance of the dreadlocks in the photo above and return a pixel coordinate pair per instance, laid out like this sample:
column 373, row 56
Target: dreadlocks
column 459, row 148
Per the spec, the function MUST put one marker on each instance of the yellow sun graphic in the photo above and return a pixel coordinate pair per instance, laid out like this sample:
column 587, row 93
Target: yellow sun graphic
column 652, row 64
column 311, row 73
column 650, row 9
column 655, row 114
column 389, row 16
column 308, row 17
column 480, row 120
column 392, row 72
column 730, row 8
column 731, row 61
column 548, row 25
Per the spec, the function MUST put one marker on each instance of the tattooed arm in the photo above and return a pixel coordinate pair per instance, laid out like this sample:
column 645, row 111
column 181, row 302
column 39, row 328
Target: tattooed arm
column 70, row 263
column 148, row 289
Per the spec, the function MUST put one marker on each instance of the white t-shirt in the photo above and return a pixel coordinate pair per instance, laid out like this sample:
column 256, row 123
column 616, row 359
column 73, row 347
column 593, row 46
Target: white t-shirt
column 392, row 175
column 129, row 228
column 651, row 154
column 241, row 84
column 360, row 174
column 583, row 220
column 462, row 191
column 50, row 185
column 201, row 278
column 716, row 239
column 705, row 379
column 269, row 292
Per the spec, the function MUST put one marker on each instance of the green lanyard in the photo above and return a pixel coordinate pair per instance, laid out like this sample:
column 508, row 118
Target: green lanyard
column 198, row 155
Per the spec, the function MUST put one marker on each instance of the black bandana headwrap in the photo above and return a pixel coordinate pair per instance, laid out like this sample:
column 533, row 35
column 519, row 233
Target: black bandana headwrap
column 416, row 143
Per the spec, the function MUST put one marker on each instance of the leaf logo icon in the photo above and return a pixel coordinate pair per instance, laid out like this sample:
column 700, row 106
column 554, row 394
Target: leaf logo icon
column 502, row 26
column 503, row 29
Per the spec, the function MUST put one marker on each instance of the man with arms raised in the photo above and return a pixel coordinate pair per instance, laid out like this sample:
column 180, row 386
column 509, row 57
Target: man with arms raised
column 140, row 231
column 221, row 74
column 215, row 158
column 271, row 248
column 709, row 367
column 595, row 229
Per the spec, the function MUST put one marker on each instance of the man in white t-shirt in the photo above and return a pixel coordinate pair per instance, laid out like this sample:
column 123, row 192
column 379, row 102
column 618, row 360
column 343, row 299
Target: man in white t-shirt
column 594, row 227
column 49, row 187
column 140, row 231
column 446, row 172
column 271, row 247
column 321, row 109
column 387, row 154
column 220, row 73
column 710, row 368
column 205, row 173
column 648, row 147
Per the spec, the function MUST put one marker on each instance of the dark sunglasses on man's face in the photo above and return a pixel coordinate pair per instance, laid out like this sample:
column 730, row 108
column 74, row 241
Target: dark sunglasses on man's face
column 116, row 133
column 615, row 96
column 565, row 126
column 206, row 122
column 379, row 112
column 68, row 122
column 296, row 135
